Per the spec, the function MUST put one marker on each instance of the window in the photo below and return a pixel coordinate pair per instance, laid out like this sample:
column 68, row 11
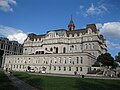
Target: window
column 70, row 59
column 36, row 52
column 93, row 46
column 60, row 59
column 54, row 68
column 86, row 46
column 81, row 60
column 65, row 61
column 45, row 48
column 59, row 68
column 64, row 49
column 80, row 68
column 14, row 66
column 76, row 68
column 77, row 60
column 56, row 49
column 17, row 66
column 23, row 66
column 51, row 61
column 55, row 61
column 89, row 46
column 64, row 68
column 44, row 61
column 51, row 49
column 20, row 66
column 69, row 68
column 42, row 52
column 50, row 67
column 73, row 62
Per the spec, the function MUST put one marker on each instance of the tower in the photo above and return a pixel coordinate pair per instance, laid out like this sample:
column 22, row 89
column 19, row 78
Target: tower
column 71, row 25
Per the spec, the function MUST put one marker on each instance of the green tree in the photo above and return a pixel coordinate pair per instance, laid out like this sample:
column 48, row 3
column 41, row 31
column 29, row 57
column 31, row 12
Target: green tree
column 117, row 57
column 106, row 59
column 115, row 65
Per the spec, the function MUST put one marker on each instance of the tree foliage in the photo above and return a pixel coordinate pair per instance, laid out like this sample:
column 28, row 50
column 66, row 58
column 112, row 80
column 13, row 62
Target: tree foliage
column 106, row 59
column 117, row 57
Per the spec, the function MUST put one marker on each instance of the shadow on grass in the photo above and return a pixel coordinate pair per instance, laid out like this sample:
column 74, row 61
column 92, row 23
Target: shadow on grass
column 30, row 79
column 5, row 83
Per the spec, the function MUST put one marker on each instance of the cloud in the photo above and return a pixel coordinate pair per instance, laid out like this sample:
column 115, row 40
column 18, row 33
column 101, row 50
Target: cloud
column 110, row 30
column 5, row 5
column 81, row 6
column 13, row 34
column 113, row 45
column 92, row 10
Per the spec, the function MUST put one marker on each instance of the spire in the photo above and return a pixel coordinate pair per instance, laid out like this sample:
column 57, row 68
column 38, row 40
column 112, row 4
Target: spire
column 71, row 25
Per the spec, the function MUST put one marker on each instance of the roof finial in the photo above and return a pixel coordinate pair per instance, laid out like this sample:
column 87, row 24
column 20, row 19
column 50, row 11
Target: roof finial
column 71, row 25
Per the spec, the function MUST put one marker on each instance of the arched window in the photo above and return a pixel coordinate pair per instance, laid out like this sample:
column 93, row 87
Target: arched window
column 64, row 50
column 51, row 49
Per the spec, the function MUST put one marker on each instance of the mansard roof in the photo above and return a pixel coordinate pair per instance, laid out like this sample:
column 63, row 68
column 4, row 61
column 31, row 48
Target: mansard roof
column 77, row 31
column 57, row 30
column 34, row 36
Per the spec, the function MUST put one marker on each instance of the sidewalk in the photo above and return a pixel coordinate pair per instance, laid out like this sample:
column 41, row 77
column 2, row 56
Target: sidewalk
column 19, row 84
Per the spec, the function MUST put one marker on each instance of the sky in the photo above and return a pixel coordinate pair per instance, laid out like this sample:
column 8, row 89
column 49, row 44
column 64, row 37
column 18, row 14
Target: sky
column 18, row 18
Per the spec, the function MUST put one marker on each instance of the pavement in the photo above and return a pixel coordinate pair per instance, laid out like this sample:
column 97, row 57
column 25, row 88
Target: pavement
column 19, row 84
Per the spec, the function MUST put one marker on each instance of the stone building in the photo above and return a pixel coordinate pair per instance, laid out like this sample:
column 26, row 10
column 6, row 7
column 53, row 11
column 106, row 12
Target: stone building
column 9, row 48
column 60, row 51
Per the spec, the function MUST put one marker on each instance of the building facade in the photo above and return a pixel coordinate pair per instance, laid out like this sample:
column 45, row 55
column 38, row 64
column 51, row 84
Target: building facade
column 9, row 48
column 60, row 51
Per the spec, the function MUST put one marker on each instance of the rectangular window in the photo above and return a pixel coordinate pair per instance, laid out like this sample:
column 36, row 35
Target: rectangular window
column 70, row 59
column 76, row 68
column 23, row 66
column 81, row 60
column 77, row 60
column 59, row 68
column 14, row 66
column 80, row 68
column 54, row 68
column 69, row 68
column 20, row 66
column 50, row 67
column 64, row 68
column 60, row 59
column 17, row 66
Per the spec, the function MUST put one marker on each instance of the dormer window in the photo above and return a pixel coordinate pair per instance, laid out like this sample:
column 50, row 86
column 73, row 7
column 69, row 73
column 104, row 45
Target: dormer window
column 89, row 30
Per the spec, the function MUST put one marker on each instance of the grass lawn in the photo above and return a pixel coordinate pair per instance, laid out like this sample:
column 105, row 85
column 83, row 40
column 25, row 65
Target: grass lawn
column 5, row 83
column 68, row 83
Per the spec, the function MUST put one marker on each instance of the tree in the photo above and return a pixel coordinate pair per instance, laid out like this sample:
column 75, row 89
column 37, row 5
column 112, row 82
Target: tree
column 115, row 65
column 106, row 59
column 117, row 57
